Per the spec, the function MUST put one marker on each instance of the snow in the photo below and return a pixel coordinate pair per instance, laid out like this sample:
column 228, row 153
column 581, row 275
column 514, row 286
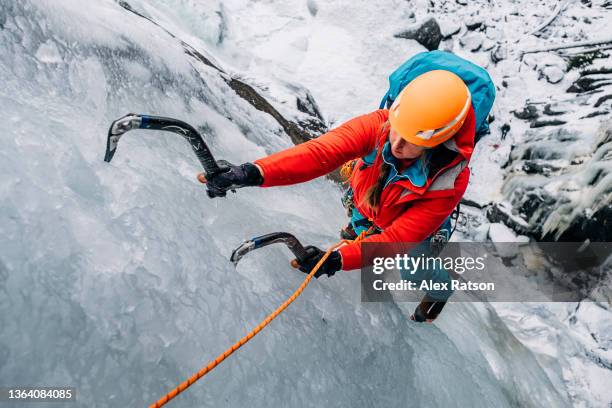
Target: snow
column 115, row 278
column 48, row 53
column 472, row 41
column 503, row 239
column 553, row 74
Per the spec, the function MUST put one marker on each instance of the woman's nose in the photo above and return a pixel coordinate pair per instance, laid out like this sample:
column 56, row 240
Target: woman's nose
column 398, row 144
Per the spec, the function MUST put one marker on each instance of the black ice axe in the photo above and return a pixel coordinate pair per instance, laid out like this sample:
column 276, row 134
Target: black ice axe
column 301, row 253
column 133, row 121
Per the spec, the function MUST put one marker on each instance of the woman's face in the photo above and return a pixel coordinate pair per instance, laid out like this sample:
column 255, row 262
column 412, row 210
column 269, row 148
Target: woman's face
column 401, row 149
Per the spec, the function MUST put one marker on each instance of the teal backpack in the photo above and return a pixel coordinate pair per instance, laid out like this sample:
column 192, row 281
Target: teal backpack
column 476, row 78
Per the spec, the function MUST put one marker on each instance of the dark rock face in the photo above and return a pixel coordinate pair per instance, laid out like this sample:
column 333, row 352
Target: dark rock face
column 603, row 99
column 592, row 88
column 529, row 112
column 299, row 132
column 501, row 214
column 584, row 59
column 596, row 228
column 314, row 124
column 606, row 137
column 549, row 110
column 314, row 127
column 498, row 53
column 591, row 80
column 557, row 182
column 578, row 269
column 595, row 113
column 428, row 34
column 542, row 123
column 307, row 104
column 504, row 130
column 584, row 84
column 245, row 91
column 533, row 167
column 474, row 24
column 558, row 186
column 531, row 213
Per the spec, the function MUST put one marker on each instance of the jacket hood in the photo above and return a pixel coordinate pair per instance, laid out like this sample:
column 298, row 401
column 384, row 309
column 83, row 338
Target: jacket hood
column 463, row 141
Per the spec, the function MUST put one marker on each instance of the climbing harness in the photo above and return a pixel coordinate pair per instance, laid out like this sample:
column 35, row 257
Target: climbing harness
column 244, row 248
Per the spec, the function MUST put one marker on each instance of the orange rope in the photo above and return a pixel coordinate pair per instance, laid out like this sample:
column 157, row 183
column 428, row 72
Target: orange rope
column 184, row 385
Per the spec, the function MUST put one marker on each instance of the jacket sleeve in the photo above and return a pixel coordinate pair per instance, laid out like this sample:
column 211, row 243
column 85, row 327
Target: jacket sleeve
column 418, row 222
column 319, row 156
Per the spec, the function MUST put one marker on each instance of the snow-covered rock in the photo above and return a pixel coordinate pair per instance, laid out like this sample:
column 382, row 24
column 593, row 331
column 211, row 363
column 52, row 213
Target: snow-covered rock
column 427, row 34
column 449, row 27
column 553, row 74
column 471, row 41
column 504, row 240
column 501, row 233
column 474, row 22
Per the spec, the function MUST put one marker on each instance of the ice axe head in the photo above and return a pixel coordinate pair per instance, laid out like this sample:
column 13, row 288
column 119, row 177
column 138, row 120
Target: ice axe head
column 264, row 240
column 242, row 250
column 117, row 129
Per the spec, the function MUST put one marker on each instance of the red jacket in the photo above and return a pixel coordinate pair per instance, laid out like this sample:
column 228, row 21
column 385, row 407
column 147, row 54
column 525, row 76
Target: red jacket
column 407, row 213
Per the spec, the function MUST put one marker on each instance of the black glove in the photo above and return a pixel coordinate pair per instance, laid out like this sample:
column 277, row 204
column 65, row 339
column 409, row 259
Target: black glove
column 427, row 310
column 332, row 264
column 232, row 177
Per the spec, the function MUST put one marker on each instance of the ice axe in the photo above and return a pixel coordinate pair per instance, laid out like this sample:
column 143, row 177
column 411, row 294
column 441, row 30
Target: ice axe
column 133, row 121
column 301, row 254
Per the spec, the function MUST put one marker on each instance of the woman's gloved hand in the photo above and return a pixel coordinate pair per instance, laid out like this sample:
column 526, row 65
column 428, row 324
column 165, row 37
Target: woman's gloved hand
column 230, row 178
column 427, row 310
column 332, row 264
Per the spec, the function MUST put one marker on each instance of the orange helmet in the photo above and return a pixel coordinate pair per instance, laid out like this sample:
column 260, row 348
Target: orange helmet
column 431, row 108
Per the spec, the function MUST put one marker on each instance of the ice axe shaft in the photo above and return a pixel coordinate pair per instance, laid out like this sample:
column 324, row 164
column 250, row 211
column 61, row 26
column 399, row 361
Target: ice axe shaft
column 264, row 240
column 136, row 121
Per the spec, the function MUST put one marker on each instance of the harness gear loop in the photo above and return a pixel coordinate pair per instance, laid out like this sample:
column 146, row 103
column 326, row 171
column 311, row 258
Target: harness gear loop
column 346, row 171
column 205, row 370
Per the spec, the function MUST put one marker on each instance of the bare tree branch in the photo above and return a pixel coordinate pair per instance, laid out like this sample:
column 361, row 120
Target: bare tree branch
column 586, row 51
column 560, row 7
column 565, row 46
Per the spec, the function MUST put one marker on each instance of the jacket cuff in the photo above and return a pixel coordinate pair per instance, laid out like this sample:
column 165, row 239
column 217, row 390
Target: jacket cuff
column 265, row 172
column 272, row 174
column 351, row 256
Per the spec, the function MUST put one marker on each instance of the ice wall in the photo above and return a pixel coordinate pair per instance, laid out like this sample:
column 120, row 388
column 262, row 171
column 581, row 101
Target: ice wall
column 115, row 278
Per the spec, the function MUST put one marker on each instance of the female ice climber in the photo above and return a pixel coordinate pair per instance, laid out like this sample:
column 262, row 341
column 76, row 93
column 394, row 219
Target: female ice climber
column 410, row 174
